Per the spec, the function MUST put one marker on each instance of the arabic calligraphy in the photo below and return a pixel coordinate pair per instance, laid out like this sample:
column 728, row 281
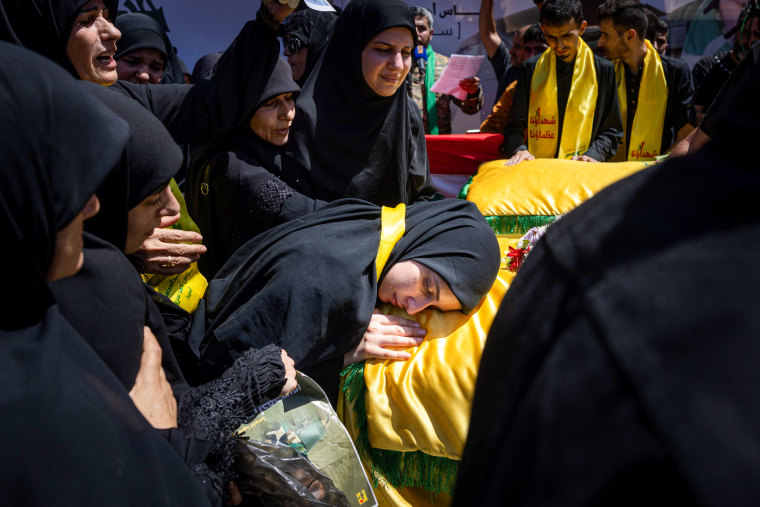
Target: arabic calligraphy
column 639, row 153
column 542, row 134
column 452, row 12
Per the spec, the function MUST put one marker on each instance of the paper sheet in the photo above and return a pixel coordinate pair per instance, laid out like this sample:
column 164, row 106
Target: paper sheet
column 459, row 67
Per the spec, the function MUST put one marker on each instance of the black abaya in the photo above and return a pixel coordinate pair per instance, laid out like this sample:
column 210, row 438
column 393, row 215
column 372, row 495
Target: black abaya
column 71, row 434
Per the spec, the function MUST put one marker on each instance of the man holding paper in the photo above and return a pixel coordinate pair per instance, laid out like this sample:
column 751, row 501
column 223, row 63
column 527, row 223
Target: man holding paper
column 565, row 103
column 427, row 67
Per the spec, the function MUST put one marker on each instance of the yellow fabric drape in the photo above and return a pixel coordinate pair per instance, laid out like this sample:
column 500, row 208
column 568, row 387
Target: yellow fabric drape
column 392, row 227
column 541, row 186
column 543, row 112
column 646, row 131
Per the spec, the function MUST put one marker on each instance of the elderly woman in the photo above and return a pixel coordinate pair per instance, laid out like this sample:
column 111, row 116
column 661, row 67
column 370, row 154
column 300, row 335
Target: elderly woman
column 306, row 34
column 233, row 183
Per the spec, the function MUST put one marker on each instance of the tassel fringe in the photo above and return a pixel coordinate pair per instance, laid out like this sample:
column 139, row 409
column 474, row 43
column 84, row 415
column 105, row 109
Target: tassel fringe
column 518, row 224
column 400, row 469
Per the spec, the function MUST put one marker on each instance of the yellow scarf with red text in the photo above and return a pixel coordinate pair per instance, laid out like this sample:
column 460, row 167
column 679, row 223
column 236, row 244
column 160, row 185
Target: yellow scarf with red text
column 543, row 114
column 646, row 131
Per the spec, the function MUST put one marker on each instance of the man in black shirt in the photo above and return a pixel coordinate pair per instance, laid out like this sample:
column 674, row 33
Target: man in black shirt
column 711, row 72
column 562, row 23
column 623, row 24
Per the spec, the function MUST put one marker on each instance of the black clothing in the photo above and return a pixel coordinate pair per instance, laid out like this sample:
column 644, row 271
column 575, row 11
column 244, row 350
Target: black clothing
column 192, row 113
column 678, row 112
column 204, row 67
column 346, row 140
column 71, row 434
column 505, row 73
column 709, row 74
column 607, row 128
column 234, row 190
column 313, row 29
column 310, row 285
column 711, row 124
column 140, row 31
column 624, row 356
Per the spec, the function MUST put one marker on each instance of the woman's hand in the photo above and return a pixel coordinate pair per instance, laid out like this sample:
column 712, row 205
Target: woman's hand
column 386, row 331
column 167, row 252
column 152, row 394
column 290, row 374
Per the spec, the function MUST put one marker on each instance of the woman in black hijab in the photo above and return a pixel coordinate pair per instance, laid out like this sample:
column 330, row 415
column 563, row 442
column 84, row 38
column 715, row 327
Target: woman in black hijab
column 306, row 34
column 144, row 53
column 311, row 285
column 234, row 193
column 71, row 432
column 356, row 132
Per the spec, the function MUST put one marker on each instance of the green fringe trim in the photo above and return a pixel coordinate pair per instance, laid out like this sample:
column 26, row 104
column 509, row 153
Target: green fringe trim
column 401, row 469
column 466, row 188
column 518, row 224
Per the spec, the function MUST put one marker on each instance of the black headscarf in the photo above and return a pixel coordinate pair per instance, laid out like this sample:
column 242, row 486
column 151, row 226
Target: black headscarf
column 204, row 67
column 347, row 141
column 313, row 29
column 234, row 170
column 108, row 283
column 141, row 31
column 96, row 445
column 44, row 26
column 151, row 159
column 310, row 285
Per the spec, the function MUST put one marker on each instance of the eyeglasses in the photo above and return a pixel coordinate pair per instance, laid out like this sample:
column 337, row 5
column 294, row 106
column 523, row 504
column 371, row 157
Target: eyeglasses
column 293, row 44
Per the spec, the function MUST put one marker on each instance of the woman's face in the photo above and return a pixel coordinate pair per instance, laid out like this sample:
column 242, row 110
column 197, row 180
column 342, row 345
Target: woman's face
column 386, row 60
column 147, row 215
column 414, row 287
column 68, row 257
column 141, row 66
column 273, row 118
column 92, row 44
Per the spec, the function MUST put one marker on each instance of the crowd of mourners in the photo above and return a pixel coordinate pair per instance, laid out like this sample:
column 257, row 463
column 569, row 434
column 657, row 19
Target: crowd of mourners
column 179, row 243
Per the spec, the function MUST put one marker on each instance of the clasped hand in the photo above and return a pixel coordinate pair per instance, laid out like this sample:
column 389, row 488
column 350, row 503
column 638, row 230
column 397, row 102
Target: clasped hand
column 386, row 331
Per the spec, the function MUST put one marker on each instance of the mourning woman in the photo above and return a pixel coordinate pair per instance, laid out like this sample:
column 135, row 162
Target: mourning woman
column 356, row 132
column 306, row 34
column 311, row 285
column 109, row 285
column 144, row 53
column 80, row 36
column 71, row 432
column 235, row 194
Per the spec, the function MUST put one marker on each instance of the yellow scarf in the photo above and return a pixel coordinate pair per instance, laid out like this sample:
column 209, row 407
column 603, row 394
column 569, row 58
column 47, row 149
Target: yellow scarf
column 543, row 128
column 646, row 131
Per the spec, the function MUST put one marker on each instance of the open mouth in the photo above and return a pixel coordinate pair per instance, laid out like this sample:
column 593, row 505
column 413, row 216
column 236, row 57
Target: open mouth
column 106, row 59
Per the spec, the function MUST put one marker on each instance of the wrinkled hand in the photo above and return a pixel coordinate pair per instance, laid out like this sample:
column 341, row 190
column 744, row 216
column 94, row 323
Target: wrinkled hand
column 470, row 85
column 584, row 158
column 519, row 157
column 152, row 394
column 386, row 331
column 290, row 374
column 279, row 11
column 167, row 252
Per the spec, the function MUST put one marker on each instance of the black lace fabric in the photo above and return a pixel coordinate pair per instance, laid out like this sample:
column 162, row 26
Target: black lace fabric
column 213, row 411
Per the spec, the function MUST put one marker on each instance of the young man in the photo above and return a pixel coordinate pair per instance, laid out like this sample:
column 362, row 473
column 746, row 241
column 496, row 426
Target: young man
column 435, row 107
column 566, row 97
column 654, row 92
